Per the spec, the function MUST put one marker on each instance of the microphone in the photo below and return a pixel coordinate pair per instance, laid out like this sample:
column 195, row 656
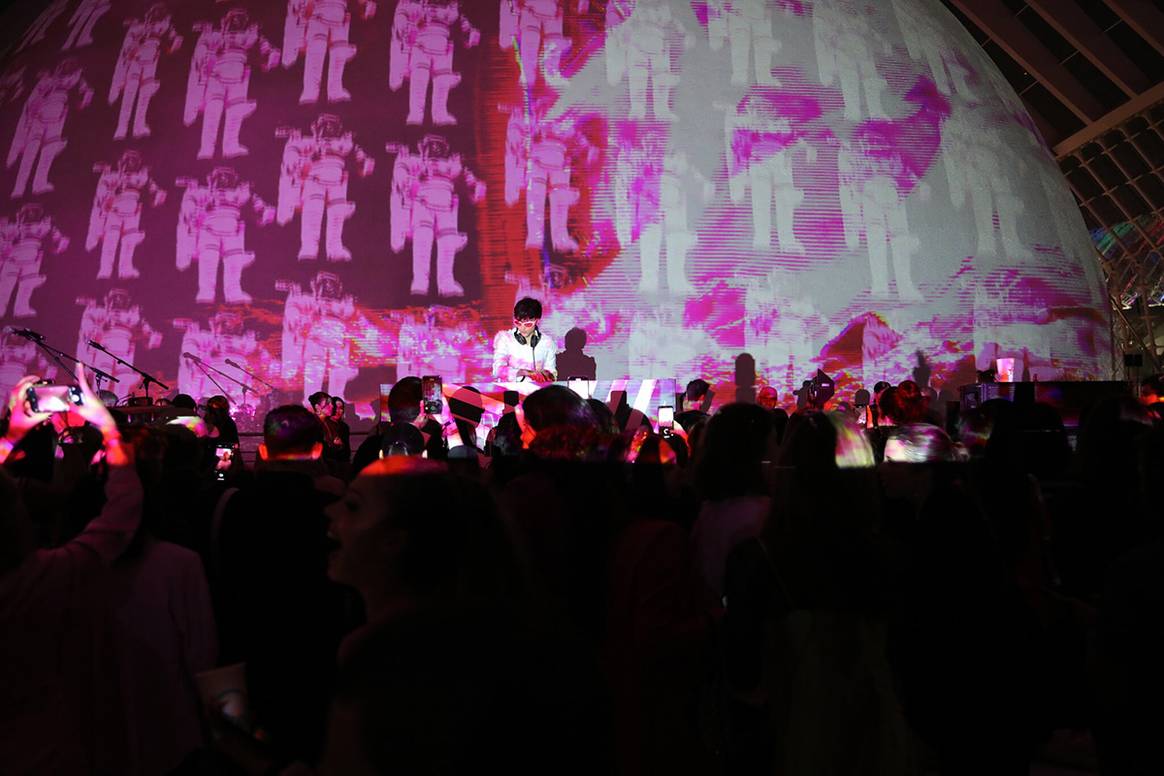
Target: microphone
column 28, row 334
column 231, row 363
column 192, row 357
column 96, row 345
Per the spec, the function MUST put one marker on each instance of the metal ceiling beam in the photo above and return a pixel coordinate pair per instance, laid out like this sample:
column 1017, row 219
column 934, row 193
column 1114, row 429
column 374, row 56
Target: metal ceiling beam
column 1144, row 19
column 1077, row 28
column 996, row 20
column 1111, row 120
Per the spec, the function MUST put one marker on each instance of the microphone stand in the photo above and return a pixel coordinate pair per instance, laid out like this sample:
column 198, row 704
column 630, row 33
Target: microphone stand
column 252, row 375
column 205, row 366
column 57, row 355
column 146, row 377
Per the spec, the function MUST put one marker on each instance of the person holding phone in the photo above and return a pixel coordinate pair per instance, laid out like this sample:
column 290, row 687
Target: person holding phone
column 51, row 606
column 524, row 352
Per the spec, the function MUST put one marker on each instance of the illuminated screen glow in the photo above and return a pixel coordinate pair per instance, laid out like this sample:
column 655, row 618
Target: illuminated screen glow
column 336, row 194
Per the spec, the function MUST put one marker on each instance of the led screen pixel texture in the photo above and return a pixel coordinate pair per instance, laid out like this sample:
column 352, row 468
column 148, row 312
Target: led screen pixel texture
column 333, row 194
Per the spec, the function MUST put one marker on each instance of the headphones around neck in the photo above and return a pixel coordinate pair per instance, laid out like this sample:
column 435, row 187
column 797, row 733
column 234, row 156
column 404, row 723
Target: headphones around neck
column 533, row 338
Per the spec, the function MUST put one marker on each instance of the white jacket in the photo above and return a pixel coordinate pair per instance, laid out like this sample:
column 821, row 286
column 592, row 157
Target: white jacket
column 509, row 356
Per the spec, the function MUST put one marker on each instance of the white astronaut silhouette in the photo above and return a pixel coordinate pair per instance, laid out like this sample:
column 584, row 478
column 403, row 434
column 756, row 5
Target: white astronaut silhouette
column 747, row 24
column 220, row 75
column 135, row 76
column 36, row 31
column 871, row 175
column 641, row 47
column 538, row 151
column 535, row 28
column 316, row 342
column 81, row 23
column 846, row 51
column 319, row 30
column 115, row 220
column 928, row 40
column 23, row 243
column 42, row 124
column 19, row 357
column 224, row 338
column 116, row 324
column 211, row 227
column 422, row 49
column 979, row 171
column 314, row 179
column 650, row 197
column 424, row 208
column 760, row 148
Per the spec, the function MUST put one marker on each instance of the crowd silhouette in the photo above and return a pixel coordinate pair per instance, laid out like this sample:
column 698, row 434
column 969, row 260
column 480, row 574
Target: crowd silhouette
column 843, row 590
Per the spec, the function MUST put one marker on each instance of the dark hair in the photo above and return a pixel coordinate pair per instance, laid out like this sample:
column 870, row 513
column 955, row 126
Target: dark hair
column 401, row 439
column 318, row 398
column 527, row 307
column 184, row 401
column 404, row 400
column 291, row 429
column 465, row 404
column 338, row 400
column 728, row 460
column 556, row 405
column 697, row 389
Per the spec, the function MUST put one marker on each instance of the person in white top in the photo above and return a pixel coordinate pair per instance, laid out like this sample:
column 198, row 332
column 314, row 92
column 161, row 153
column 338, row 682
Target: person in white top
column 524, row 353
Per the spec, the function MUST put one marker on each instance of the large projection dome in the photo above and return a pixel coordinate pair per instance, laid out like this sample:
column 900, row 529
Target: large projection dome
column 333, row 194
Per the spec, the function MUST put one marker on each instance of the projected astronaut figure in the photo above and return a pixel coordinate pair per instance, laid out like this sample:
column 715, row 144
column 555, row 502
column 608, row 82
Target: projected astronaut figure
column 760, row 149
column 873, row 189
column 319, row 30
column 538, row 152
column 424, row 208
column 220, row 75
column 979, row 173
column 20, row 356
column 422, row 50
column 81, row 23
column 36, row 31
column 23, row 244
column 42, row 124
column 535, row 28
column 116, row 324
column 211, row 228
column 651, row 202
column 315, row 334
column 927, row 40
column 225, row 338
column 747, row 24
column 641, row 47
column 846, row 50
column 314, row 180
column 135, row 76
column 116, row 216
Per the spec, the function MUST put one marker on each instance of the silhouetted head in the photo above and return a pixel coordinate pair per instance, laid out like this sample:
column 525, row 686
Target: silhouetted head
column 404, row 400
column 291, row 432
column 575, row 339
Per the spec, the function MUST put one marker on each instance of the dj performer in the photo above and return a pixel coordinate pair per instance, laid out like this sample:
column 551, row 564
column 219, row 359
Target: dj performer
column 523, row 352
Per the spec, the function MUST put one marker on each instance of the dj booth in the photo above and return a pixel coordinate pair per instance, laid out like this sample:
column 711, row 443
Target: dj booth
column 493, row 400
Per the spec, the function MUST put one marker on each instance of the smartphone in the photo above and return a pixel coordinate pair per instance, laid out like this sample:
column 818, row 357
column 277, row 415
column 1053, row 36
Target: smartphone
column 430, row 386
column 53, row 398
column 666, row 419
column 225, row 459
